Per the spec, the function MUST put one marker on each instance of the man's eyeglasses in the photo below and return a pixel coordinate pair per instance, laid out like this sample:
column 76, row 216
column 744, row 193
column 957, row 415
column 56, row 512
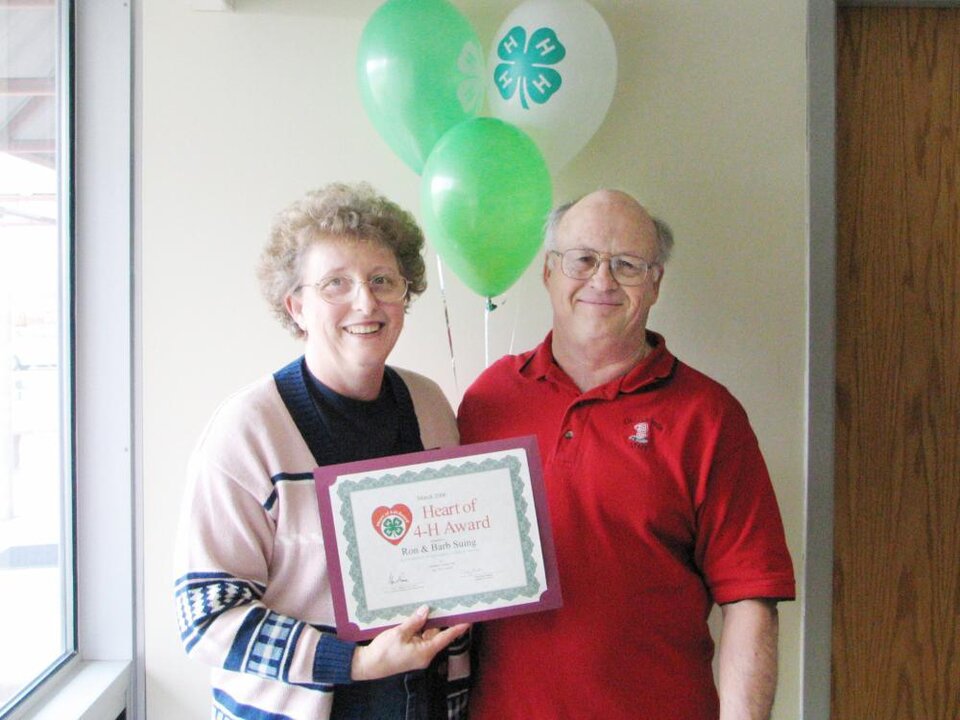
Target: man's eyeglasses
column 583, row 263
column 337, row 289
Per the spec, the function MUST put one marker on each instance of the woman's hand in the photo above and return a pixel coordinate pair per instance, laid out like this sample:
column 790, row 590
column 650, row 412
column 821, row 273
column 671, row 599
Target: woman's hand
column 402, row 648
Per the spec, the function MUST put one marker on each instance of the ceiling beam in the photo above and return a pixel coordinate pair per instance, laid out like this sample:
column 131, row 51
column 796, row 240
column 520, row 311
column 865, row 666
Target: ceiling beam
column 27, row 3
column 27, row 86
column 27, row 147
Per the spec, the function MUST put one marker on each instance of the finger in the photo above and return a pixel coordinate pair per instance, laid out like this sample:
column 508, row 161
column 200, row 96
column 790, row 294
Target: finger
column 456, row 630
column 446, row 636
column 411, row 625
column 461, row 629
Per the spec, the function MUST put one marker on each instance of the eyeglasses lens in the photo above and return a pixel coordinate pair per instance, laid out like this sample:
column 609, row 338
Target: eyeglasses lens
column 385, row 288
column 582, row 264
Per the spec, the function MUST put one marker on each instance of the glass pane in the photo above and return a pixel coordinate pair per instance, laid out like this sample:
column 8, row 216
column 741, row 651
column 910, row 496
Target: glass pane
column 33, row 597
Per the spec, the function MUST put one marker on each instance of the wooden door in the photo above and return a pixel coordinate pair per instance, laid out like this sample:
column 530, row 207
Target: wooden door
column 896, row 613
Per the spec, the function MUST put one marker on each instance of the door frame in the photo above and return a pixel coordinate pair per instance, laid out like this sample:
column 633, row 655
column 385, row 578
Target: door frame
column 817, row 588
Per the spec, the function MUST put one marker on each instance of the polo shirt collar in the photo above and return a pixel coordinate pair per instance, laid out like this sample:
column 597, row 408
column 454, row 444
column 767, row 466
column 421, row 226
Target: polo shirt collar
column 656, row 367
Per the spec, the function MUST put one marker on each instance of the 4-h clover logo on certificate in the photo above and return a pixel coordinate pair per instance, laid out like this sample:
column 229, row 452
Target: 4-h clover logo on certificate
column 525, row 67
column 392, row 523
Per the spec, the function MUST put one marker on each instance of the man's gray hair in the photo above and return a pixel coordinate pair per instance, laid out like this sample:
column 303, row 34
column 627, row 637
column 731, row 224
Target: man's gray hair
column 664, row 233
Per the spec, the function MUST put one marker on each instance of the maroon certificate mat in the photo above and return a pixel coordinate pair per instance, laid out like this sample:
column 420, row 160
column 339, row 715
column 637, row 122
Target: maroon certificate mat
column 465, row 530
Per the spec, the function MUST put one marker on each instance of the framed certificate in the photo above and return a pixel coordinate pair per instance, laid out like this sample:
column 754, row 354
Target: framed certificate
column 465, row 530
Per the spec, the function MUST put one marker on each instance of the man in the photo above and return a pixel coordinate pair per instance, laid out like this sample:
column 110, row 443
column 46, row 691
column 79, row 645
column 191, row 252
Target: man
column 659, row 498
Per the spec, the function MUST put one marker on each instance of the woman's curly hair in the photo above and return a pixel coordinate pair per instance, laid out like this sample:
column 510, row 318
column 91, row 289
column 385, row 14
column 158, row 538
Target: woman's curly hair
column 338, row 211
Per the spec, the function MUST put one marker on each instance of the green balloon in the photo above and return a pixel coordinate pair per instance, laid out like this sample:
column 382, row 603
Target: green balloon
column 420, row 70
column 485, row 194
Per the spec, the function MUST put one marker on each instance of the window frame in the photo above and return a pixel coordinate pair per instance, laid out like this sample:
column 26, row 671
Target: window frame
column 104, row 677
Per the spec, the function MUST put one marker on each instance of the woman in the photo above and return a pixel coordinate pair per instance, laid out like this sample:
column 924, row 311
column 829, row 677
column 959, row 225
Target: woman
column 339, row 271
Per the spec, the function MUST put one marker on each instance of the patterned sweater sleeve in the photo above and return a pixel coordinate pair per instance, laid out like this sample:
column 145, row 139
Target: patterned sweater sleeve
column 223, row 553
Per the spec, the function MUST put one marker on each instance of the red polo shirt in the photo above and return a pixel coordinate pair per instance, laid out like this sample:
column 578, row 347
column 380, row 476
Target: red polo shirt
column 661, row 505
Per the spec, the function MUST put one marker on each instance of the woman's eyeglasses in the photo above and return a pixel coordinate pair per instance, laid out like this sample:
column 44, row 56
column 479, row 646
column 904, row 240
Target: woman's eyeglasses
column 337, row 289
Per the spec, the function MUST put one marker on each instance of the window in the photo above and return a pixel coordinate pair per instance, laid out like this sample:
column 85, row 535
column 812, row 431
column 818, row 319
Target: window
column 76, row 57
column 36, row 411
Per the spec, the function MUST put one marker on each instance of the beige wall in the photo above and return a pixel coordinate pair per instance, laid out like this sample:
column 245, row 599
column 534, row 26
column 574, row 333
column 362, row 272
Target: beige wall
column 243, row 111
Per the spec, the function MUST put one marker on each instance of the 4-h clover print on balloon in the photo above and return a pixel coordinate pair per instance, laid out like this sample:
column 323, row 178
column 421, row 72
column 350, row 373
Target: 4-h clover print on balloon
column 552, row 71
column 525, row 69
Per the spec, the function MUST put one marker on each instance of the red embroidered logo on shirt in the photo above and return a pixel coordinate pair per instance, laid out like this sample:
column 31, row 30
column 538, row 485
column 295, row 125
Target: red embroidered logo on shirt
column 641, row 431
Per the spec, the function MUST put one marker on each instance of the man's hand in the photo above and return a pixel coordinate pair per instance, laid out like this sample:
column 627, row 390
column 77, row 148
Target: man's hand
column 402, row 648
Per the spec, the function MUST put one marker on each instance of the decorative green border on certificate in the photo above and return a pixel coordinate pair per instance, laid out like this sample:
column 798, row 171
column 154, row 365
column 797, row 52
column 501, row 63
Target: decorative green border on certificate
column 512, row 464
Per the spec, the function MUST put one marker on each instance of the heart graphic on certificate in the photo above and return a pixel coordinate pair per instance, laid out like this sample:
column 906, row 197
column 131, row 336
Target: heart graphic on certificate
column 392, row 523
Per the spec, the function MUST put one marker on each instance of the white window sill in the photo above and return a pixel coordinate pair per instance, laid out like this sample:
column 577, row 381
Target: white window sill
column 89, row 690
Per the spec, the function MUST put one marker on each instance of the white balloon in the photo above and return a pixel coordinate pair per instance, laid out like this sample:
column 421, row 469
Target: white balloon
column 552, row 71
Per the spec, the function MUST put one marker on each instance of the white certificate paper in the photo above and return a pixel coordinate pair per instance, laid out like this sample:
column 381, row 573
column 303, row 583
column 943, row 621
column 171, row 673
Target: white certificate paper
column 465, row 530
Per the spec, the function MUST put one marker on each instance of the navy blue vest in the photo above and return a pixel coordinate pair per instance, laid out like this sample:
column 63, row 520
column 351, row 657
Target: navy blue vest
column 339, row 429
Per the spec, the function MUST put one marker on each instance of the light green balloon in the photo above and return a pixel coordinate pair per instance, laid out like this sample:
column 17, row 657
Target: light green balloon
column 420, row 71
column 485, row 195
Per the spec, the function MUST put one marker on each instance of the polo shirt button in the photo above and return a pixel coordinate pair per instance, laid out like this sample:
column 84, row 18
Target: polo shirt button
column 568, row 434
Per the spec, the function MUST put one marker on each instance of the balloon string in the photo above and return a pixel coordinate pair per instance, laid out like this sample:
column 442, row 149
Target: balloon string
column 446, row 318
column 513, row 330
column 487, row 308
